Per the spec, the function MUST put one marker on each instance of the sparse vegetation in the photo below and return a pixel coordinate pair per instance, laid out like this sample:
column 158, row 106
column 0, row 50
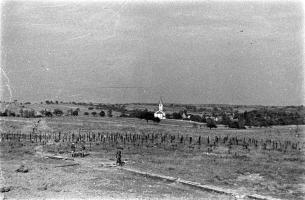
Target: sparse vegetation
column 223, row 157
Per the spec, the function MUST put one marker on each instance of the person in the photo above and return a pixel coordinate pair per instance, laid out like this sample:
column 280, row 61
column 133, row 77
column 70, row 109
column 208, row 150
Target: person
column 73, row 147
column 119, row 158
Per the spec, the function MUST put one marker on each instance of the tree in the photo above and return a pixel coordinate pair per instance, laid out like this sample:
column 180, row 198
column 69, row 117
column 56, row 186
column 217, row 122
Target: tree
column 237, row 123
column 147, row 115
column 177, row 115
column 93, row 113
column 211, row 123
column 58, row 112
column 225, row 119
column 156, row 119
column 12, row 114
column 75, row 113
column 168, row 116
column 28, row 113
column 196, row 118
column 48, row 114
column 102, row 113
column 86, row 113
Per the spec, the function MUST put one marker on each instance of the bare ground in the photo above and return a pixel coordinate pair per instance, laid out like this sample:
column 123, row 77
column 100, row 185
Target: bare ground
column 93, row 178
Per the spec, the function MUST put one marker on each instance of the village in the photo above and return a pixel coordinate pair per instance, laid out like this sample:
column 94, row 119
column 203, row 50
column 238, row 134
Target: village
column 233, row 116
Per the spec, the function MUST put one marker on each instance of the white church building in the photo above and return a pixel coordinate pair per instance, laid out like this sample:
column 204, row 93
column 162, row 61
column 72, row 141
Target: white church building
column 160, row 113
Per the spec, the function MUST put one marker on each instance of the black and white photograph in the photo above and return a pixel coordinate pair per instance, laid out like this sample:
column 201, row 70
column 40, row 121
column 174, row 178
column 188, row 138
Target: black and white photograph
column 152, row 99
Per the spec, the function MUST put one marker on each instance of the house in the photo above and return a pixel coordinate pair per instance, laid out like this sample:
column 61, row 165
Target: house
column 160, row 113
column 38, row 114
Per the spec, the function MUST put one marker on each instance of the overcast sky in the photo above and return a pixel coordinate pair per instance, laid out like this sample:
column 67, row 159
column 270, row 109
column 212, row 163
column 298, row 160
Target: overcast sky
column 207, row 52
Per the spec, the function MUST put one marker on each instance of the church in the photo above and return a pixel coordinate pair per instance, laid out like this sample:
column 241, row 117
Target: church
column 160, row 113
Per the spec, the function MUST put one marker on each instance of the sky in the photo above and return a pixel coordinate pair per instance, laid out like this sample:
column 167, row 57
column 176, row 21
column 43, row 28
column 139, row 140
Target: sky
column 231, row 52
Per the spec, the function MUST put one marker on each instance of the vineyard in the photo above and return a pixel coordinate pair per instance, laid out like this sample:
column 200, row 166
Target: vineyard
column 245, row 160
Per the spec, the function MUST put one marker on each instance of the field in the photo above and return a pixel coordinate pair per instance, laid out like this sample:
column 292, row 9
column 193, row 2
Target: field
column 264, row 161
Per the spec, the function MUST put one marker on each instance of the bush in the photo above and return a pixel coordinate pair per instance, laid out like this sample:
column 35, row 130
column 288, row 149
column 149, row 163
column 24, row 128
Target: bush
column 12, row 114
column 147, row 115
column 93, row 113
column 156, row 119
column 86, row 113
column 102, row 113
column 211, row 123
column 168, row 116
column 75, row 113
column 239, row 124
column 58, row 112
column 177, row 115
column 48, row 114
column 196, row 118
column 28, row 113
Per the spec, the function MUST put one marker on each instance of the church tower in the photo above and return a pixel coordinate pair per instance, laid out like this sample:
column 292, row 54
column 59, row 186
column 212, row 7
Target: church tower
column 160, row 105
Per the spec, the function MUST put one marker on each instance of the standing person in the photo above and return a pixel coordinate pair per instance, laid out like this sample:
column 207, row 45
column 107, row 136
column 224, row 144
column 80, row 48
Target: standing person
column 73, row 147
column 119, row 158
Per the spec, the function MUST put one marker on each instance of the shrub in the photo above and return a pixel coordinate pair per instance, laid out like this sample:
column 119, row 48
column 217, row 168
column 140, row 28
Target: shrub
column 211, row 123
column 102, row 113
column 177, row 115
column 239, row 124
column 58, row 112
column 156, row 119
column 75, row 113
column 196, row 118
column 48, row 114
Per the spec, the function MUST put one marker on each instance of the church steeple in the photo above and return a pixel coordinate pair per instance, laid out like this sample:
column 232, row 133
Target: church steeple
column 160, row 105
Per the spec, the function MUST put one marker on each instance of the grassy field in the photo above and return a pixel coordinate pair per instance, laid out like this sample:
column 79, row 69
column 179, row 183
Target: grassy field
column 266, row 161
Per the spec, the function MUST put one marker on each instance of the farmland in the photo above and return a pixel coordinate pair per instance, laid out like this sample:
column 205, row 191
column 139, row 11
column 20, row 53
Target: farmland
column 265, row 161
